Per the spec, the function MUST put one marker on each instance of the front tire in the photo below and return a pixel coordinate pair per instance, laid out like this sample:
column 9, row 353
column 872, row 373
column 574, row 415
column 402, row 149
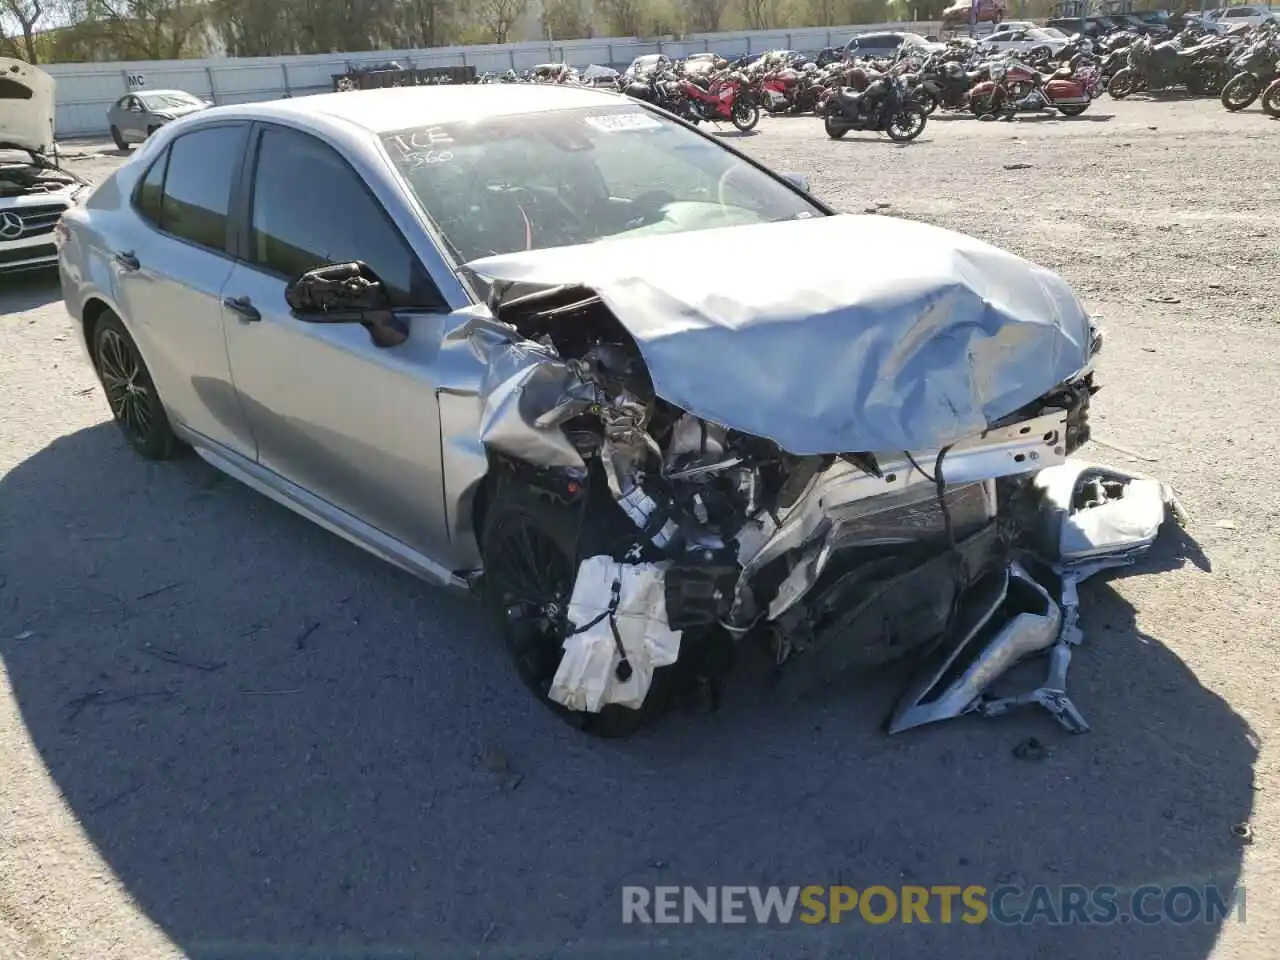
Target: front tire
column 928, row 102
column 1073, row 109
column 1122, row 84
column 1271, row 100
column 131, row 393
column 530, row 548
column 745, row 115
column 118, row 138
column 834, row 128
column 906, row 124
column 1240, row 91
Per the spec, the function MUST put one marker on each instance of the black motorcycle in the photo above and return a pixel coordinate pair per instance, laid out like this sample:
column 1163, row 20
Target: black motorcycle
column 885, row 106
column 942, row 85
column 1113, row 61
column 662, row 89
column 1252, row 69
column 1200, row 68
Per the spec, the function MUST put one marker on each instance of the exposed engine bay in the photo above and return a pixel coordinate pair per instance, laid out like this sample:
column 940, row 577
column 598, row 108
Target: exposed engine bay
column 23, row 175
column 693, row 537
column 839, row 467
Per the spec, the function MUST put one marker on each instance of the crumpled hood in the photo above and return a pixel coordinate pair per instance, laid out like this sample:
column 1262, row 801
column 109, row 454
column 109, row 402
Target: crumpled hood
column 26, row 107
column 833, row 334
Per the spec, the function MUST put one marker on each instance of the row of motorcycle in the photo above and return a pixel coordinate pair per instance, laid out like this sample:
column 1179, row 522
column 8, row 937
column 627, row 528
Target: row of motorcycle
column 895, row 97
column 1239, row 68
column 710, row 88
column 1255, row 74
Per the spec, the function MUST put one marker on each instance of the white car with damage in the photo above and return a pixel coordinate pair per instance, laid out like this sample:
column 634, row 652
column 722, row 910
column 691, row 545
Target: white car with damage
column 34, row 190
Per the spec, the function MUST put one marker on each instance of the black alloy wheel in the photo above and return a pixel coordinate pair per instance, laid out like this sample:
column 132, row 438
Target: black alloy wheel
column 530, row 550
column 131, row 394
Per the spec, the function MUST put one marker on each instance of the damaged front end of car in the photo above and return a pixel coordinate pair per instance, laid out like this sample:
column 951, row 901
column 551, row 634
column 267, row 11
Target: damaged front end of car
column 850, row 472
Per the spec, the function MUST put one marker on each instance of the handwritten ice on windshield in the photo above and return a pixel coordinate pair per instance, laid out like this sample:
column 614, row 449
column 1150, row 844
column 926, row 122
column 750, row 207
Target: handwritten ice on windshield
column 422, row 148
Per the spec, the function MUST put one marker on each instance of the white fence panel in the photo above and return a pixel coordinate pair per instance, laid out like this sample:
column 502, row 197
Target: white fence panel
column 252, row 78
column 310, row 77
column 86, row 90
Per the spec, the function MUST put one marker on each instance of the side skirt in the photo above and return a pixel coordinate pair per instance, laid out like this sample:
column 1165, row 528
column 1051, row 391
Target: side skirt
column 323, row 513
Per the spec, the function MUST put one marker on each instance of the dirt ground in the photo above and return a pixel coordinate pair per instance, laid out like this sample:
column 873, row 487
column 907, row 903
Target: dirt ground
column 225, row 733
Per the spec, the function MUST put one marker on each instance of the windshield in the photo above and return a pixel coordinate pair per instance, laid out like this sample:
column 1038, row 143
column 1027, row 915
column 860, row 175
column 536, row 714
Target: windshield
column 161, row 101
column 565, row 177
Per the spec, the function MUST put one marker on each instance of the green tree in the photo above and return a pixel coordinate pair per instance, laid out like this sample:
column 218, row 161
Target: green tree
column 565, row 20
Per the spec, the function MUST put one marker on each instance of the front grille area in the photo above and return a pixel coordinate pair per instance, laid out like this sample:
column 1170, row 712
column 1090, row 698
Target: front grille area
column 21, row 254
column 39, row 219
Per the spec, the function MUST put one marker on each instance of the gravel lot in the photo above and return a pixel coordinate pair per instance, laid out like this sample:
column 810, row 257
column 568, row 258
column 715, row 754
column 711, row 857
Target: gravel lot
column 337, row 761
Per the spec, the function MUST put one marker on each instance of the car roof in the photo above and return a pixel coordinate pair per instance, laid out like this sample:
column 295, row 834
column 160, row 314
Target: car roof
column 396, row 108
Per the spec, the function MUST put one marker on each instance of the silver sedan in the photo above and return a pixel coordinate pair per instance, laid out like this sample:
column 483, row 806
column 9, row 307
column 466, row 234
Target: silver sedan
column 136, row 116
column 663, row 398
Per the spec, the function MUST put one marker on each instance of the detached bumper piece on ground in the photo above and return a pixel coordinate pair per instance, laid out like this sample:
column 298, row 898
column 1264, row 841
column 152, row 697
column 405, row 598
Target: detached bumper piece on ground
column 852, row 470
column 1090, row 519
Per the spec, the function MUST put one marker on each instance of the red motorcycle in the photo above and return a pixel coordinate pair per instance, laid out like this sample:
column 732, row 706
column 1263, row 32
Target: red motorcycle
column 1014, row 87
column 726, row 97
column 780, row 89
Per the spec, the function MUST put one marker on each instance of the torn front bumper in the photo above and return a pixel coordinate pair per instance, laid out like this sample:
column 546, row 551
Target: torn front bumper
column 840, row 507
column 1091, row 518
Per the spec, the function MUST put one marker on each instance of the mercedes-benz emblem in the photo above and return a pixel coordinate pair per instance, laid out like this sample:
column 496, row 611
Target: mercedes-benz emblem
column 10, row 225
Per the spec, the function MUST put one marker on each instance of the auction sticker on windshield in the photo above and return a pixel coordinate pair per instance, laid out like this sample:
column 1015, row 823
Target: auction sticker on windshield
column 622, row 122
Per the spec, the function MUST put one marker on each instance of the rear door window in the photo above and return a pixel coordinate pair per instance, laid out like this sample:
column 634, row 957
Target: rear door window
column 202, row 165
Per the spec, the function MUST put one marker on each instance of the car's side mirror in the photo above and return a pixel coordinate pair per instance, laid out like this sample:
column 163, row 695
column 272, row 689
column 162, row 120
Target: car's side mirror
column 347, row 293
column 799, row 180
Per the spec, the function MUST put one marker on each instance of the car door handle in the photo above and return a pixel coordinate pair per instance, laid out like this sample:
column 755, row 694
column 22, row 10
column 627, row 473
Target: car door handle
column 127, row 260
column 242, row 306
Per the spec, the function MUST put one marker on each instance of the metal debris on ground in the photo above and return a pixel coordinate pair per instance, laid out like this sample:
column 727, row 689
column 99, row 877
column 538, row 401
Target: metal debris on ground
column 1032, row 749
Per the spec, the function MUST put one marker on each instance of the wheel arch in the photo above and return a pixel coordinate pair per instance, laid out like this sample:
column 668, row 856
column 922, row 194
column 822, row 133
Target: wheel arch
column 94, row 309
